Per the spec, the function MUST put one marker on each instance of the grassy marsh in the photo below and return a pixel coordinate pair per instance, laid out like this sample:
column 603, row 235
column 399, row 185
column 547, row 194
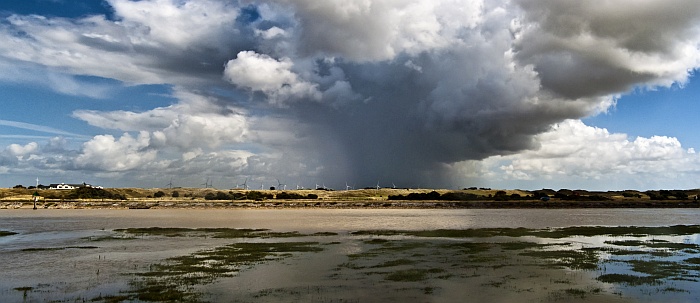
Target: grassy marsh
column 57, row 248
column 223, row 233
column 173, row 280
column 589, row 263
column 4, row 233
column 553, row 233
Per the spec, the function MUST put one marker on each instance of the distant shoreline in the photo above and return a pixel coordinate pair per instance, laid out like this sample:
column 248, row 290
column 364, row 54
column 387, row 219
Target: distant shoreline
column 356, row 204
column 389, row 198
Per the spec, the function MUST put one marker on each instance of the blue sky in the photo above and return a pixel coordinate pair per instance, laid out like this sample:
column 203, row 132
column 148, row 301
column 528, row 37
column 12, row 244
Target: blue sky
column 445, row 94
column 663, row 111
column 56, row 8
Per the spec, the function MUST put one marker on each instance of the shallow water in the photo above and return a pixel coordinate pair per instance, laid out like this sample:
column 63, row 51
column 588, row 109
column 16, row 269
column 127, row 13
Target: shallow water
column 56, row 255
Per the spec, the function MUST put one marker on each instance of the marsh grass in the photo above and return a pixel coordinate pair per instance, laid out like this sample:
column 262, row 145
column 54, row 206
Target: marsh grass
column 624, row 252
column 553, row 233
column 222, row 233
column 326, row 233
column 393, row 263
column 655, row 260
column 4, row 233
column 660, row 269
column 408, row 275
column 627, row 279
column 525, row 245
column 493, row 259
column 469, row 247
column 31, row 249
column 108, row 238
column 673, row 289
column 656, row 244
column 376, row 241
column 173, row 280
column 575, row 259
column 576, row 292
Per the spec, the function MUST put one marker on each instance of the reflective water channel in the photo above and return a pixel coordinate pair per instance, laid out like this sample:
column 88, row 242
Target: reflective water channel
column 345, row 255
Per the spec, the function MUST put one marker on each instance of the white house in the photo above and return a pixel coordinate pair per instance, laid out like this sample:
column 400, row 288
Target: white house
column 71, row 186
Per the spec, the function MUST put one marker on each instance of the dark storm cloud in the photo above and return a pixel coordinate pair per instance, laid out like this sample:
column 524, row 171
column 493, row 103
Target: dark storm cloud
column 481, row 87
column 592, row 48
column 358, row 91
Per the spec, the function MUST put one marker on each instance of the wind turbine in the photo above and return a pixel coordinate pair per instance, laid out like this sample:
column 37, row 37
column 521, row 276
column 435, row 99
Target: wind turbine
column 244, row 184
column 170, row 184
column 207, row 184
column 279, row 184
column 37, row 182
column 378, row 185
column 347, row 187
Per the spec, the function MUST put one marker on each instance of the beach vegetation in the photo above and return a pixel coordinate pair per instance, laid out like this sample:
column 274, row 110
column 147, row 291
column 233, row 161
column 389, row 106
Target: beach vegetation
column 627, row 279
column 4, row 233
column 408, row 275
column 173, row 280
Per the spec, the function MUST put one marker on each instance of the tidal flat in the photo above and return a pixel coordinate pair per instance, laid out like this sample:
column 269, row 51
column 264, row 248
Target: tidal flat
column 177, row 264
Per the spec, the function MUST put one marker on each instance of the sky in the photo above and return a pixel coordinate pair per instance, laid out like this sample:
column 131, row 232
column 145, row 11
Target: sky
column 302, row 93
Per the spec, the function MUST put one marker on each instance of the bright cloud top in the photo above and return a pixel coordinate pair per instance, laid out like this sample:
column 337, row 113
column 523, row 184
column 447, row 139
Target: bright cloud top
column 359, row 91
column 574, row 149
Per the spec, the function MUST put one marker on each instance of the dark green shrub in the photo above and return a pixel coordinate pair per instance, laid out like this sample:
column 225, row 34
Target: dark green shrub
column 256, row 195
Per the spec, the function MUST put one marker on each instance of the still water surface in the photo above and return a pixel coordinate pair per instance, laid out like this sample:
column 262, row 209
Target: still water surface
column 75, row 274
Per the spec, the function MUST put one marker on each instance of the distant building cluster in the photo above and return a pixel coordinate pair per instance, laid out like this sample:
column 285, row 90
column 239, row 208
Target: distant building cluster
column 62, row 186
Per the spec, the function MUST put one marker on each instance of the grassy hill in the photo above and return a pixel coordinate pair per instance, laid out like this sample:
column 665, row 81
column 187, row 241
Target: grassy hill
column 176, row 195
column 7, row 194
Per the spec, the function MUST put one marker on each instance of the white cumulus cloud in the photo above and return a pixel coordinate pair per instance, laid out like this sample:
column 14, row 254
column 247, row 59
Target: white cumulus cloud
column 259, row 72
column 106, row 153
column 574, row 150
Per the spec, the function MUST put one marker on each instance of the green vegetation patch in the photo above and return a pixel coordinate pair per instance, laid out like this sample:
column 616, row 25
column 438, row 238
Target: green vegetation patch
column 468, row 247
column 24, row 288
column 107, row 238
column 388, row 248
column 624, row 252
column 655, row 244
column 626, row 279
column 57, row 248
column 397, row 262
column 586, row 259
column 409, row 275
column 524, row 245
column 376, row 241
column 173, row 280
column 626, row 243
column 226, row 233
column 6, row 233
column 553, row 233
column 326, row 233
column 659, row 269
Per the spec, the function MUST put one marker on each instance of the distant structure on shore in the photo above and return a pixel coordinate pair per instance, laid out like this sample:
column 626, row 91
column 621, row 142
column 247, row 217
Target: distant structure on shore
column 64, row 186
